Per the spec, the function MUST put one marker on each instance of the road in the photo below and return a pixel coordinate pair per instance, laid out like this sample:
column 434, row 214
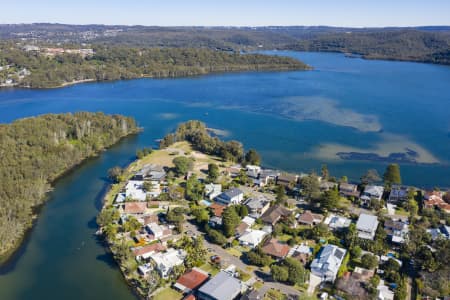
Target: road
column 228, row 259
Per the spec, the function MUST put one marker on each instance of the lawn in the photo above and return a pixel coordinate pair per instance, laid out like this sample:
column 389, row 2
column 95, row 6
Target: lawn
column 209, row 268
column 234, row 252
column 284, row 237
column 168, row 293
column 244, row 276
column 274, row 295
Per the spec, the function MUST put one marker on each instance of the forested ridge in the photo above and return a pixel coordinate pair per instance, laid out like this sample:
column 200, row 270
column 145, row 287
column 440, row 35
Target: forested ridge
column 121, row 62
column 35, row 151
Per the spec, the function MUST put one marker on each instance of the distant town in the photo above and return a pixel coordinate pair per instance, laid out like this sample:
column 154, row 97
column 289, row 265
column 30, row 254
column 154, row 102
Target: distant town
column 201, row 219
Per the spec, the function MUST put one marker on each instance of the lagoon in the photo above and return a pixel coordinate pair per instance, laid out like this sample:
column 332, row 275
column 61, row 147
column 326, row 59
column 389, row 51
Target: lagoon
column 296, row 120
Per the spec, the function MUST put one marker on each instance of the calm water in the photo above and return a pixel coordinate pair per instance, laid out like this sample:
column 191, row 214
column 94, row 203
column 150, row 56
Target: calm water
column 297, row 120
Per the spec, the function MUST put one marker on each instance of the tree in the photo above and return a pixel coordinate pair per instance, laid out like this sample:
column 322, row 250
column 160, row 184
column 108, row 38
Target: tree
column 280, row 192
column 213, row 172
column 108, row 216
column 355, row 251
column 201, row 214
column 194, row 189
column 242, row 210
column 369, row 261
column 132, row 224
column 182, row 165
column 252, row 157
column 392, row 175
column 216, row 236
column 325, row 172
column 148, row 186
column 230, row 220
column 176, row 216
column 311, row 186
column 329, row 199
column 370, row 177
column 115, row 174
column 279, row 273
column 297, row 273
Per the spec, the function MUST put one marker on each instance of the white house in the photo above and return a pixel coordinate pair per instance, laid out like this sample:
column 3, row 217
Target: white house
column 336, row 222
column 232, row 196
column 135, row 190
column 367, row 226
column 213, row 190
column 372, row 192
column 252, row 238
column 155, row 229
column 327, row 264
column 166, row 261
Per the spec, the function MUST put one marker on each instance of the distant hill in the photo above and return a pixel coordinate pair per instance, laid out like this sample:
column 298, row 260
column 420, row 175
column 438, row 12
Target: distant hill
column 424, row 44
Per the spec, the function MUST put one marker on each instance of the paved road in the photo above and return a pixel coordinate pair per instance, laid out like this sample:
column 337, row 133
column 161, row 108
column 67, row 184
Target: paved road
column 227, row 259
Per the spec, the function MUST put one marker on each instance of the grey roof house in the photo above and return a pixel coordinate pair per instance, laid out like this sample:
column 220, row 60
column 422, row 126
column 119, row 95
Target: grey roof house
column 328, row 262
column 232, row 196
column 367, row 226
column 223, row 286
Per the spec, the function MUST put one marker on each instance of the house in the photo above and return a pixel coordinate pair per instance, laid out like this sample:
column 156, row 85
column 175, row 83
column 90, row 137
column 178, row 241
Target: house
column 310, row 218
column 158, row 231
column 166, row 261
column 328, row 262
column 287, row 180
column 274, row 214
column 336, row 222
column 146, row 251
column 215, row 222
column 232, row 196
column 147, row 219
column 145, row 268
column 434, row 199
column 135, row 190
column 384, row 293
column 267, row 176
column 150, row 172
column 191, row 280
column 241, row 229
column 223, row 286
column 253, row 295
column 348, row 190
column 249, row 220
column 252, row 171
column 252, row 238
column 217, row 209
column 135, row 208
column 276, row 249
column 234, row 171
column 212, row 190
column 372, row 192
column 257, row 206
column 301, row 253
column 327, row 185
column 440, row 232
column 396, row 230
column 398, row 194
column 367, row 226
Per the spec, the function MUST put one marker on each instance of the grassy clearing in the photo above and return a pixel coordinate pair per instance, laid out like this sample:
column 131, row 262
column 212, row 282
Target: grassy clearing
column 235, row 252
column 168, row 293
column 274, row 295
column 209, row 268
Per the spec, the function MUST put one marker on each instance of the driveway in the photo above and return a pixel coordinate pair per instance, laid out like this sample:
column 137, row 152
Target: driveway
column 314, row 281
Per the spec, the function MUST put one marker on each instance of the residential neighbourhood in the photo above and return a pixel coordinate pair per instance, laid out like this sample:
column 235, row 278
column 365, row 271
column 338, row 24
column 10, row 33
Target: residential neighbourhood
column 232, row 232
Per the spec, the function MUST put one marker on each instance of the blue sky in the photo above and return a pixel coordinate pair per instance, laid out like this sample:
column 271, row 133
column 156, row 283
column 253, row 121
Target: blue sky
column 355, row 13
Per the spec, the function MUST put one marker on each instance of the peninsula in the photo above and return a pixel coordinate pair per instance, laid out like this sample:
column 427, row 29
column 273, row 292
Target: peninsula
column 199, row 218
column 36, row 151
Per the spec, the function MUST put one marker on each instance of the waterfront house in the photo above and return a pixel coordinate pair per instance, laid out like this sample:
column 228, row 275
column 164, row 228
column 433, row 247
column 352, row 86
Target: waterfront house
column 231, row 196
column 398, row 194
column 233, row 171
column 434, row 199
column 287, row 180
column 257, row 206
column 146, row 251
column 397, row 231
column 191, row 280
column 367, row 226
column 134, row 190
column 223, row 286
column 336, row 222
column 371, row 192
column 326, row 265
column 275, row 214
column 275, row 248
column 158, row 231
column 252, row 171
column 267, row 176
column 348, row 190
column 327, row 185
column 166, row 261
column 212, row 190
column 252, row 238
column 310, row 218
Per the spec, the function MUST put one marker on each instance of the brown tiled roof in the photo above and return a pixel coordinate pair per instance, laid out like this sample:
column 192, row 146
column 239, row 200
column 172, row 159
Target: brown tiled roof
column 274, row 248
column 157, row 247
column 192, row 279
column 135, row 207
column 189, row 297
column 241, row 228
column 217, row 209
column 150, row 219
column 274, row 213
column 309, row 218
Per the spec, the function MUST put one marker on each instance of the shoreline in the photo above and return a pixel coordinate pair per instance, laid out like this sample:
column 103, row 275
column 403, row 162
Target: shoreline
column 9, row 256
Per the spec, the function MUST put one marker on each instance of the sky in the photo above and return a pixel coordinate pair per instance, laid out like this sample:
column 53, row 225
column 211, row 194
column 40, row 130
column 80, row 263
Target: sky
column 351, row 13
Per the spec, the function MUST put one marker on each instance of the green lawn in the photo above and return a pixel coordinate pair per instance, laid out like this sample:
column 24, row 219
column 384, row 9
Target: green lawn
column 209, row 268
column 234, row 252
column 284, row 237
column 168, row 293
column 274, row 295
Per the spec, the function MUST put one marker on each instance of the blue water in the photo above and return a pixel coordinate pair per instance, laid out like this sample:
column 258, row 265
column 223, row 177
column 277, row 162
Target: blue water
column 407, row 104
column 61, row 258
